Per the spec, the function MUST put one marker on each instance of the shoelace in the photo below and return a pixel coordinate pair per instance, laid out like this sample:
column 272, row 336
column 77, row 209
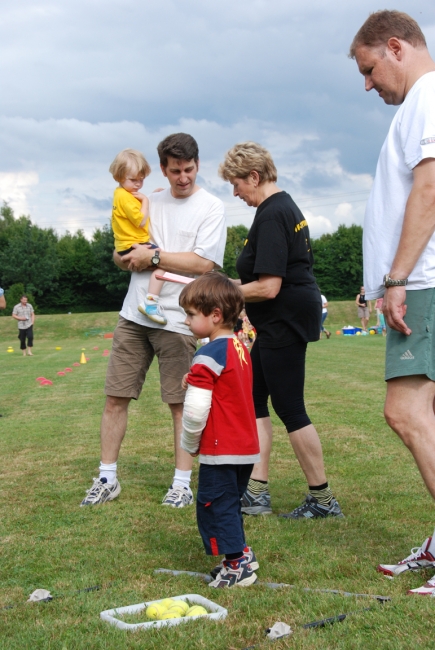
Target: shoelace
column 415, row 553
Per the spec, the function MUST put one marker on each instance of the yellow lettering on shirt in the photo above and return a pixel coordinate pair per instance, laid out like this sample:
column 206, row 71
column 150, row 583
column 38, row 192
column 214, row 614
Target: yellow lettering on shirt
column 300, row 225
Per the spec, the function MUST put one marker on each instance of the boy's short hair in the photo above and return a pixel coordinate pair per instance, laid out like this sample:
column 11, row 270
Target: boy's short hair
column 129, row 161
column 213, row 290
column 181, row 146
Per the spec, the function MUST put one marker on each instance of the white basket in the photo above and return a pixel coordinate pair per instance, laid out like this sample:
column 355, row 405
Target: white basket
column 216, row 613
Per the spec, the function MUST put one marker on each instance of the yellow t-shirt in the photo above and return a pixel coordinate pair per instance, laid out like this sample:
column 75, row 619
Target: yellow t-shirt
column 126, row 217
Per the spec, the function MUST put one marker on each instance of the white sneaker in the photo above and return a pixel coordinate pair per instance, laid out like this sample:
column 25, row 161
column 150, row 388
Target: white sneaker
column 100, row 492
column 428, row 589
column 420, row 558
column 178, row 497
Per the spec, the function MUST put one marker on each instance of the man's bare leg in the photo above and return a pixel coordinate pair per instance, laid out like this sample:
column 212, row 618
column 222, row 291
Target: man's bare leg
column 409, row 411
column 113, row 427
column 179, row 494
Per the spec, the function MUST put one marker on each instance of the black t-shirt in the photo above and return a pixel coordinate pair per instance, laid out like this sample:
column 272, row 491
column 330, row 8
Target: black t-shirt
column 278, row 243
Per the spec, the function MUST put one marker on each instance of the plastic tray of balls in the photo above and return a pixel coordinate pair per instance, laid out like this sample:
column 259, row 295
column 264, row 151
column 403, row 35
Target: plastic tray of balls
column 165, row 612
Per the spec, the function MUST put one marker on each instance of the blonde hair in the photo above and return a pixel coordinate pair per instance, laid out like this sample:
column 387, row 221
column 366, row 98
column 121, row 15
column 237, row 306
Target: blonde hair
column 246, row 157
column 129, row 161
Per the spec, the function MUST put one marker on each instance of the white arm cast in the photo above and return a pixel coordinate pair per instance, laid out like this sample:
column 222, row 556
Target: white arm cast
column 195, row 413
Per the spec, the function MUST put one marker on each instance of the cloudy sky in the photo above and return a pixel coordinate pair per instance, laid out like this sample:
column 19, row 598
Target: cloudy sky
column 83, row 79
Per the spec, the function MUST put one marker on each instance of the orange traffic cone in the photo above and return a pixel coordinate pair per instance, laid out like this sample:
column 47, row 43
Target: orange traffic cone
column 83, row 358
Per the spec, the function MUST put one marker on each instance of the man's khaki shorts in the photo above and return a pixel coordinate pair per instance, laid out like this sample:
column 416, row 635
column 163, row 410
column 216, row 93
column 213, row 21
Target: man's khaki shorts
column 134, row 347
column 413, row 354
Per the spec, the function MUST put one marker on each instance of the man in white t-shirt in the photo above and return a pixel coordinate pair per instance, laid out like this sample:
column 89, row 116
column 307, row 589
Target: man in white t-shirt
column 324, row 316
column 188, row 225
column 399, row 239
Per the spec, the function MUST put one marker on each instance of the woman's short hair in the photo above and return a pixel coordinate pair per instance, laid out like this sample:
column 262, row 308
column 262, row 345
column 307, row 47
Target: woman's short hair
column 246, row 157
column 383, row 25
column 180, row 146
column 213, row 290
column 129, row 161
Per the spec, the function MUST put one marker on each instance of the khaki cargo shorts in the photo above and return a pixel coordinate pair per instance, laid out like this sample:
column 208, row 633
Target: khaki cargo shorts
column 413, row 354
column 134, row 347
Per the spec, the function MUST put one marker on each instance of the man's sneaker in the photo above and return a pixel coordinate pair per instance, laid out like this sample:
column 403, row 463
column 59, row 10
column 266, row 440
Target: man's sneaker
column 100, row 492
column 256, row 504
column 312, row 509
column 237, row 573
column 178, row 497
column 249, row 556
column 428, row 589
column 420, row 558
column 154, row 312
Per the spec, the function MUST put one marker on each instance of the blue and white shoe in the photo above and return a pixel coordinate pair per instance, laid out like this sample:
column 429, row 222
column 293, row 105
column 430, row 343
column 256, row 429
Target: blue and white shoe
column 154, row 312
column 178, row 497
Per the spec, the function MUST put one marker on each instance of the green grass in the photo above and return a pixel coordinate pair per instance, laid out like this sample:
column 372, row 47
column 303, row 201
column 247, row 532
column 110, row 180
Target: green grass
column 49, row 446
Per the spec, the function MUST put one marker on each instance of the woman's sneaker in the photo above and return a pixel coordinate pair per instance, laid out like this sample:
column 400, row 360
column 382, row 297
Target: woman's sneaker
column 234, row 573
column 420, row 558
column 312, row 509
column 249, row 556
column 256, row 504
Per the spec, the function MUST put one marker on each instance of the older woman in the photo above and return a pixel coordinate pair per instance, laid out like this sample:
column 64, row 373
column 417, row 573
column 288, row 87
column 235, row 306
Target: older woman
column 284, row 305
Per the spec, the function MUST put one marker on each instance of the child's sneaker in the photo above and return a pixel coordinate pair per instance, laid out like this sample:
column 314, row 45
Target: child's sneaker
column 428, row 589
column 234, row 573
column 249, row 557
column 152, row 310
column 420, row 558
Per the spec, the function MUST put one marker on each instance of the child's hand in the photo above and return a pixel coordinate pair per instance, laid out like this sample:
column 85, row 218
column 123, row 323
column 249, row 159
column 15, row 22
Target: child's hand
column 140, row 196
column 184, row 382
column 195, row 455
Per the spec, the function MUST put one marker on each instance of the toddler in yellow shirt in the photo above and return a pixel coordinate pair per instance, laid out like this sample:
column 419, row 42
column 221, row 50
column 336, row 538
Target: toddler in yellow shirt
column 130, row 220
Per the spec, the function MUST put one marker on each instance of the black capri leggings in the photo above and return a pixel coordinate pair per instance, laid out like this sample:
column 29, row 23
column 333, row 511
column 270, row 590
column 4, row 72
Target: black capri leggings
column 26, row 334
column 280, row 373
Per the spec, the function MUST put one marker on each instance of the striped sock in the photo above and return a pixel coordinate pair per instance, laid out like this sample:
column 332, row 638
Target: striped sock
column 322, row 493
column 257, row 487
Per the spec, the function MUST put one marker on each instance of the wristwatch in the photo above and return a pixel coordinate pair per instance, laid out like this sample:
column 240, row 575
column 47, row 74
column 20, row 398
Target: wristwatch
column 155, row 260
column 389, row 282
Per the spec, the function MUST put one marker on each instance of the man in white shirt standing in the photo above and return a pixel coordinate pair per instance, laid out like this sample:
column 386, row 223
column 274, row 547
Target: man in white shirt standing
column 188, row 225
column 25, row 315
column 399, row 241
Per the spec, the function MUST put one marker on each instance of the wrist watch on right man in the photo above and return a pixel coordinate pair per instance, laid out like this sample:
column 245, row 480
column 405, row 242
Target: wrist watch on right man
column 389, row 282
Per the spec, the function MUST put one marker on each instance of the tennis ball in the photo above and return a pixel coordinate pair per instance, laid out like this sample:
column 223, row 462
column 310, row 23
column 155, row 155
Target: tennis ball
column 358, row 333
column 167, row 603
column 170, row 613
column 155, row 611
column 176, row 609
column 197, row 610
column 182, row 604
column 372, row 332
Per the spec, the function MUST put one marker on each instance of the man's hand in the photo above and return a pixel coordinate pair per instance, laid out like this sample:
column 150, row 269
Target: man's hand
column 140, row 258
column 394, row 309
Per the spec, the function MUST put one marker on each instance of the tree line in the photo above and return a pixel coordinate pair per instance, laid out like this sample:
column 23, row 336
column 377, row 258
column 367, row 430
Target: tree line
column 71, row 273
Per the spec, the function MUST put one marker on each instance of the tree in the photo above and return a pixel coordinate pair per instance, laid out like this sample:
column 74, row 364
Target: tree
column 236, row 236
column 105, row 272
column 338, row 262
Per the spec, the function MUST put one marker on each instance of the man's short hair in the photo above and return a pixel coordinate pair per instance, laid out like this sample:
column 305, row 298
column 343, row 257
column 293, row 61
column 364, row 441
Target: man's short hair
column 246, row 157
column 213, row 290
column 383, row 25
column 181, row 146
column 129, row 161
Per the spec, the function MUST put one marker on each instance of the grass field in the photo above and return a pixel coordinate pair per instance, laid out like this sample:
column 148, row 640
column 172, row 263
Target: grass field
column 49, row 447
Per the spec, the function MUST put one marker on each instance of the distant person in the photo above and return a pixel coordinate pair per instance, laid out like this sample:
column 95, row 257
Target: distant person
column 324, row 316
column 130, row 221
column 219, row 425
column 2, row 299
column 283, row 303
column 364, row 308
column 25, row 315
column 380, row 322
column 188, row 225
column 399, row 242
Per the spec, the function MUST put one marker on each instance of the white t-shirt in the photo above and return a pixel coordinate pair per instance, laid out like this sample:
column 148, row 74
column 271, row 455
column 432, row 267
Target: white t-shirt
column 411, row 139
column 194, row 224
column 324, row 301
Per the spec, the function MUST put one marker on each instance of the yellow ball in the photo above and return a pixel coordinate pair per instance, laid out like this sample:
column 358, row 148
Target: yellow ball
column 197, row 610
column 358, row 333
column 167, row 603
column 175, row 609
column 155, row 611
column 181, row 603
column 170, row 613
column 372, row 332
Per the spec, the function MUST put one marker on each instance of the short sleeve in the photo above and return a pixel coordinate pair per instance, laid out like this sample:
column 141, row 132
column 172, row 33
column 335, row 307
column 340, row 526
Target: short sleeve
column 211, row 236
column 417, row 128
column 272, row 249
